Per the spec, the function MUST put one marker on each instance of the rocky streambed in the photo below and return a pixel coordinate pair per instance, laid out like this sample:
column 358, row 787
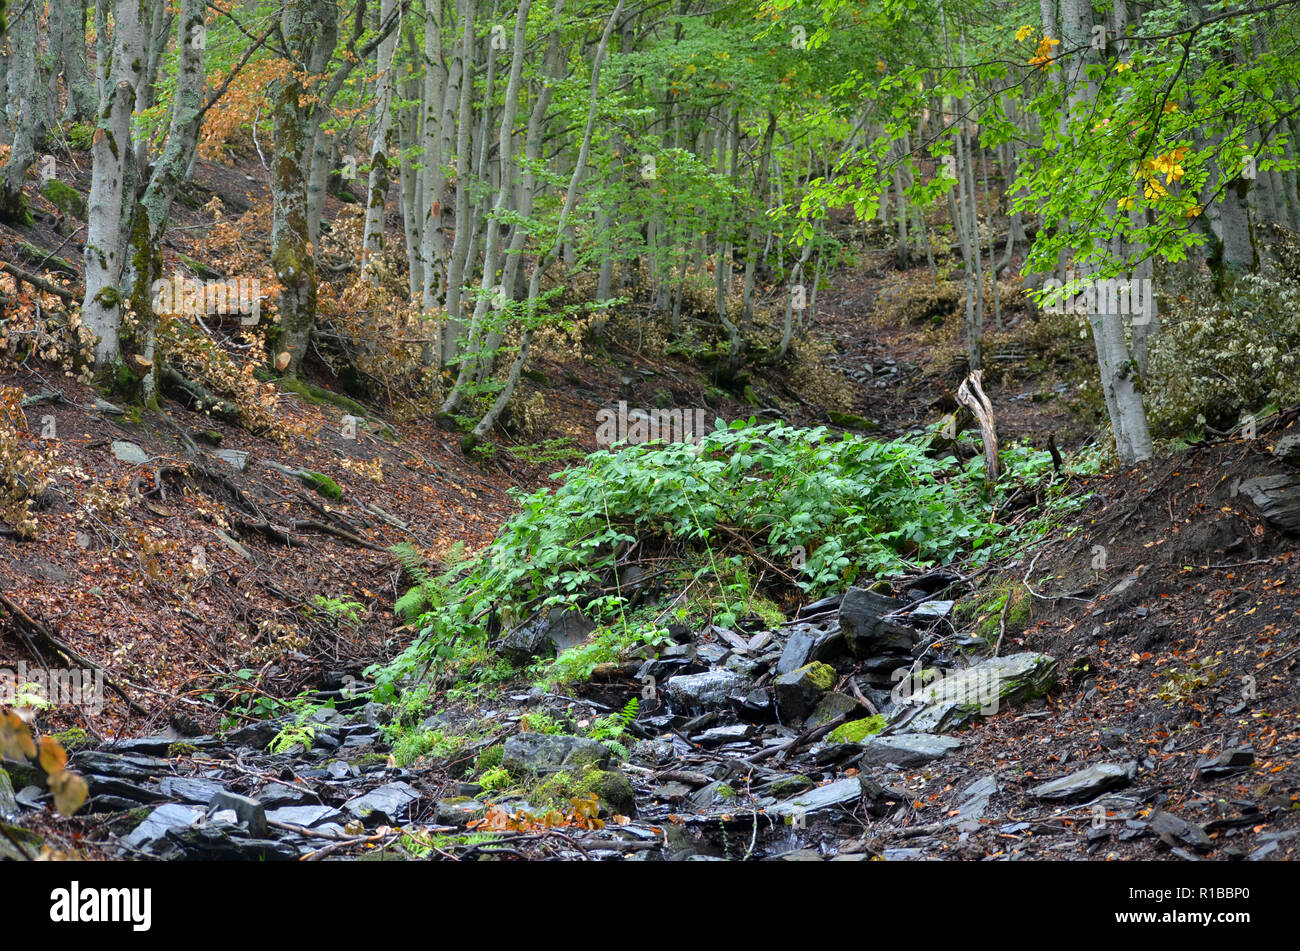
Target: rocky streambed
column 855, row 731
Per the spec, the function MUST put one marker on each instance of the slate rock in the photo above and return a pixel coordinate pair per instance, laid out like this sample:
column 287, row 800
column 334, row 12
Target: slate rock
column 458, row 811
column 831, row 706
column 842, row 792
column 386, row 804
column 191, row 790
column 129, row 453
column 719, row 735
column 710, row 690
column 526, row 754
column 250, row 812
column 1176, row 831
column 554, row 631
column 102, row 787
column 906, row 749
column 1087, row 783
column 278, row 796
column 1288, row 448
column 258, row 735
column 1227, row 763
column 1277, row 497
column 973, row 801
column 954, row 701
column 129, row 766
column 152, row 832
column 799, row 691
column 306, row 816
column 867, row 631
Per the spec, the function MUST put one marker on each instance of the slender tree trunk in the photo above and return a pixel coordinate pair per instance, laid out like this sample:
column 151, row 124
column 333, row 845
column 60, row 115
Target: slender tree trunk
column 105, row 240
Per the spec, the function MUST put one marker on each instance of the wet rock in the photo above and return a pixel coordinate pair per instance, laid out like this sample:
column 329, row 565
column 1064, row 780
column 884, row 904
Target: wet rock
column 807, row 643
column 1087, row 783
column 197, row 791
column 306, row 816
column 153, row 831
column 954, row 701
column 719, row 735
column 458, row 811
column 128, row 766
column 1176, row 831
column 1227, row 763
column 867, row 632
column 843, row 792
column 831, row 706
column 527, row 754
column 717, row 793
column 250, row 812
column 799, row 691
column 258, row 735
column 387, row 804
column 906, row 749
column 709, row 690
column 278, row 796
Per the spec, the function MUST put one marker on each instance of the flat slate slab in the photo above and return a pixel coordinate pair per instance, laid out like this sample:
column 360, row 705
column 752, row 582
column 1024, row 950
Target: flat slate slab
column 907, row 749
column 1086, row 783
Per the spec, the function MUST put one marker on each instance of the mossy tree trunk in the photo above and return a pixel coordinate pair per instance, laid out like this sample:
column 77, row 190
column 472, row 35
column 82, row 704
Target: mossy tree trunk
column 105, row 238
column 23, row 106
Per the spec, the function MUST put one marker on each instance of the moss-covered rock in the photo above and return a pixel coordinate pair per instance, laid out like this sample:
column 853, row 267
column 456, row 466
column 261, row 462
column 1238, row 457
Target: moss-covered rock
column 612, row 788
column 855, row 731
column 65, row 198
column 852, row 421
column 799, row 691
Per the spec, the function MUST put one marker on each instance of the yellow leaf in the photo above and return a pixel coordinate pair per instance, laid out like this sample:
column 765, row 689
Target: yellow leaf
column 69, row 791
column 15, row 737
column 53, row 756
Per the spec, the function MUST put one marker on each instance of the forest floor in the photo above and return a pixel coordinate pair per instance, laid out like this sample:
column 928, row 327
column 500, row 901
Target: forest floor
column 214, row 587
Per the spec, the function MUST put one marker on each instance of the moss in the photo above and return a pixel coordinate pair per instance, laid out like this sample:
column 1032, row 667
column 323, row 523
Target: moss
column 321, row 484
column 181, row 748
column 64, row 197
column 72, row 739
column 22, row 775
column 316, row 394
column 857, row 730
column 787, row 786
column 821, row 675
column 612, row 788
column 852, row 421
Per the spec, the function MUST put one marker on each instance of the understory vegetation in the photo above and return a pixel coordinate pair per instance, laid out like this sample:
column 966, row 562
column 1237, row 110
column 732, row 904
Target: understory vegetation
column 643, row 537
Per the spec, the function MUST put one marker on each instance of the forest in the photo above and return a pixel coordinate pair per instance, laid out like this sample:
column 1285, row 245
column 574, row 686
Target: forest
column 651, row 430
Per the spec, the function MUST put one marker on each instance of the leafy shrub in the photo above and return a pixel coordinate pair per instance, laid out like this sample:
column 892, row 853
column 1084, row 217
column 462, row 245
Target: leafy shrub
column 1213, row 362
column 833, row 509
